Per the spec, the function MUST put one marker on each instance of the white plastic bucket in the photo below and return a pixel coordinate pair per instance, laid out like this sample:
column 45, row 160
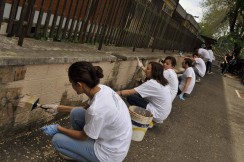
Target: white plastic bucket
column 141, row 118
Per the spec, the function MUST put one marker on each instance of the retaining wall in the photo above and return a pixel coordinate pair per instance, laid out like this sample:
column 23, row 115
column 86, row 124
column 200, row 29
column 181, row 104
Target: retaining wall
column 41, row 71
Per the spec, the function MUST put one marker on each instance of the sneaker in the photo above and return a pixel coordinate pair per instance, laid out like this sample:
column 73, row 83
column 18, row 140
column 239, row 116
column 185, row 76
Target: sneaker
column 151, row 124
column 65, row 157
column 198, row 80
column 210, row 72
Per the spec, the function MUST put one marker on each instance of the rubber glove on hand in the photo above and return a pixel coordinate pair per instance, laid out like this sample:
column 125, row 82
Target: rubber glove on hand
column 51, row 109
column 50, row 130
column 139, row 63
column 181, row 97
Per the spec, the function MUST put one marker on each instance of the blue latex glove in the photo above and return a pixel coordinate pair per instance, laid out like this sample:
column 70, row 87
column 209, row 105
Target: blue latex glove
column 181, row 97
column 50, row 130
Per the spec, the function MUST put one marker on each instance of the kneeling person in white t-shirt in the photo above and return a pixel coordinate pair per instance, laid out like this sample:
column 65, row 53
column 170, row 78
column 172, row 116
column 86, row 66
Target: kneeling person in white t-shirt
column 169, row 63
column 187, row 82
column 102, row 131
column 199, row 66
column 153, row 95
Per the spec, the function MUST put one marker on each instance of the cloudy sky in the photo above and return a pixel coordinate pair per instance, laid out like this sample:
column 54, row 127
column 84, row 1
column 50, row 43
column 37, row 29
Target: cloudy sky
column 192, row 7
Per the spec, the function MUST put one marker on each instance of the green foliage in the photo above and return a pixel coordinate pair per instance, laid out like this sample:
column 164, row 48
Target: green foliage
column 224, row 19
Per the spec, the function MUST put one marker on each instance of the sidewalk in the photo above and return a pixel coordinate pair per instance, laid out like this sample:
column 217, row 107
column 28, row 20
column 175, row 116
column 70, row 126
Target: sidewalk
column 206, row 127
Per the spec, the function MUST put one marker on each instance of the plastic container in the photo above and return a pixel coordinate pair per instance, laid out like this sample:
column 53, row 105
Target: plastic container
column 141, row 118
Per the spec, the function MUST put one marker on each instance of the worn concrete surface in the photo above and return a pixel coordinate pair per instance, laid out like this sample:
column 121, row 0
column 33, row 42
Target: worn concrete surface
column 207, row 127
column 49, row 52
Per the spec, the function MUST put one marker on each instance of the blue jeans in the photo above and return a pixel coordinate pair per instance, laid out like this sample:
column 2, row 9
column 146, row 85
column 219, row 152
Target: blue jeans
column 80, row 150
column 137, row 100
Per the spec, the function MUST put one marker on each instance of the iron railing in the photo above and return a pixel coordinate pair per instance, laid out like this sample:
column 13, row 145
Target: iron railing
column 131, row 23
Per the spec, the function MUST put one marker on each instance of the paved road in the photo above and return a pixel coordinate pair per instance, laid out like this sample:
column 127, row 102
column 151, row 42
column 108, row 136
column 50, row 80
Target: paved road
column 207, row 127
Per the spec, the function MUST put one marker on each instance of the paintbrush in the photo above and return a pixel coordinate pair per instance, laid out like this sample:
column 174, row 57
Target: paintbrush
column 30, row 103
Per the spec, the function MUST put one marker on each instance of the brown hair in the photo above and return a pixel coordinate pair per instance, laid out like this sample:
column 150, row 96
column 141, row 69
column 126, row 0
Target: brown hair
column 85, row 72
column 172, row 59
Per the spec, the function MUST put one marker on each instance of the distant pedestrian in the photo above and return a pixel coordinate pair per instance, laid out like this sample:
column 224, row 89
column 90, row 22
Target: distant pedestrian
column 188, row 79
column 198, row 66
column 229, row 57
column 212, row 58
column 206, row 57
column 169, row 63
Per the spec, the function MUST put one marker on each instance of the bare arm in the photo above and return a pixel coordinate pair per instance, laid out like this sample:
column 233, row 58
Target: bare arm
column 80, row 135
column 65, row 109
column 179, row 70
column 126, row 92
column 225, row 59
column 143, row 68
column 188, row 81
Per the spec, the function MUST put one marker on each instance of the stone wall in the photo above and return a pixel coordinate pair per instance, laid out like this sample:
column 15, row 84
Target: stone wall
column 50, row 83
column 39, row 69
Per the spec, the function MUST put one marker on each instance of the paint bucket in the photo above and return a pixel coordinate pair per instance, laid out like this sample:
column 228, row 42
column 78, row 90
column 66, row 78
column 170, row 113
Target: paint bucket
column 141, row 118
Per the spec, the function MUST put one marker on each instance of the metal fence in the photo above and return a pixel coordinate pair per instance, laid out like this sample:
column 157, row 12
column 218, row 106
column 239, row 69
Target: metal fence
column 131, row 23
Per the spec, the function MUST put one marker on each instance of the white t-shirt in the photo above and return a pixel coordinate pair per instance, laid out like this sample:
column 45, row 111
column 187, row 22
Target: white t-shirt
column 204, row 53
column 211, row 55
column 172, row 78
column 201, row 66
column 159, row 98
column 189, row 72
column 108, row 122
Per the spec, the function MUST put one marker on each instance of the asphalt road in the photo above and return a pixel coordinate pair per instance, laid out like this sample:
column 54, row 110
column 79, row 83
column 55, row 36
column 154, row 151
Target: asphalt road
column 206, row 127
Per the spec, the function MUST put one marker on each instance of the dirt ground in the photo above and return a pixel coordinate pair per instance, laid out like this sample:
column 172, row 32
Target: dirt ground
column 206, row 127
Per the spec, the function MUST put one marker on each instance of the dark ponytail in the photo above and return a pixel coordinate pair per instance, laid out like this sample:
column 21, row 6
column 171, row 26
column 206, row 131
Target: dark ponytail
column 85, row 72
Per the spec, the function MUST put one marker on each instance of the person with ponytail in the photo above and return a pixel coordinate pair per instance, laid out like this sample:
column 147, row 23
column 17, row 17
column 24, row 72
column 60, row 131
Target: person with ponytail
column 100, row 132
column 153, row 95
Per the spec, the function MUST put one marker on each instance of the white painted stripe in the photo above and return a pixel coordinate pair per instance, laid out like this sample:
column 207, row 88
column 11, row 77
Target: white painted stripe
column 238, row 94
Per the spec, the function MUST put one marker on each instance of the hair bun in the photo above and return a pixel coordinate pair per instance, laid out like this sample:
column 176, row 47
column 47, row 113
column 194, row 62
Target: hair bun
column 99, row 71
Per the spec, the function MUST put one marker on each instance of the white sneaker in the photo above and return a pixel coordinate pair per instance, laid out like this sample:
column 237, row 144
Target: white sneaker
column 210, row 72
column 198, row 81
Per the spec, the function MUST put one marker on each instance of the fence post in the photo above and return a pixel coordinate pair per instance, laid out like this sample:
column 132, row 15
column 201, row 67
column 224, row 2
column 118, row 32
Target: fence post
column 24, row 18
column 92, row 8
column 78, row 24
column 73, row 19
column 103, row 32
column 67, row 20
column 54, row 19
column 12, row 16
column 2, row 6
column 61, row 20
column 92, row 24
column 139, row 26
column 31, row 16
column 106, row 4
column 39, row 20
column 46, row 26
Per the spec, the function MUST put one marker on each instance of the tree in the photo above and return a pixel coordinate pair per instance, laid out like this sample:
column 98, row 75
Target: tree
column 225, row 19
